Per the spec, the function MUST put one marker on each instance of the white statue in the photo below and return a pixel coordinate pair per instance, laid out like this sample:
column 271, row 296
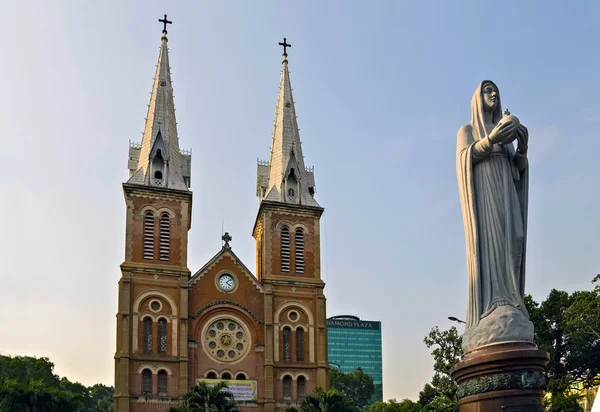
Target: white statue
column 493, row 182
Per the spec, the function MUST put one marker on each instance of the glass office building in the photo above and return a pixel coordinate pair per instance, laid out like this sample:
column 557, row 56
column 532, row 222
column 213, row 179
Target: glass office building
column 353, row 342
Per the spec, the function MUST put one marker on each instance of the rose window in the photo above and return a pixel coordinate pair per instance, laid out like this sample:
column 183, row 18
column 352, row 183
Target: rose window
column 226, row 340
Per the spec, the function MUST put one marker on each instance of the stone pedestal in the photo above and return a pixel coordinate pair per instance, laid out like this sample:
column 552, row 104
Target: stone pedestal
column 505, row 377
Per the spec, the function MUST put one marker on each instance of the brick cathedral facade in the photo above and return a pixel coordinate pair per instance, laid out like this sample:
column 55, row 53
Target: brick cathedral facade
column 222, row 322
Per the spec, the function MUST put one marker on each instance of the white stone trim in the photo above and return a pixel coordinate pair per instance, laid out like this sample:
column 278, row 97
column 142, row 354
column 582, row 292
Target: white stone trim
column 155, row 369
column 136, row 314
column 311, row 328
column 240, row 321
column 166, row 210
column 216, row 372
column 226, row 371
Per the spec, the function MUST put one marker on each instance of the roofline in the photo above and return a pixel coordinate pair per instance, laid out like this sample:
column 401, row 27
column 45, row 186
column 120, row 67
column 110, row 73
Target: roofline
column 345, row 317
column 208, row 264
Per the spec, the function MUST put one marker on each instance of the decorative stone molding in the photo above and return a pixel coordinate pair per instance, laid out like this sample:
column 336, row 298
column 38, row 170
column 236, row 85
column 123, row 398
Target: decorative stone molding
column 500, row 382
column 227, row 302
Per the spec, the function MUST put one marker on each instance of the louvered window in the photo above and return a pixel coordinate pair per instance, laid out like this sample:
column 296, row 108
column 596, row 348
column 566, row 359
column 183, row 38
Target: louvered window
column 147, row 382
column 162, row 336
column 285, row 249
column 287, row 344
column 164, row 239
column 301, row 387
column 299, row 251
column 149, row 236
column 147, row 335
column 299, row 344
column 287, row 388
column 162, row 383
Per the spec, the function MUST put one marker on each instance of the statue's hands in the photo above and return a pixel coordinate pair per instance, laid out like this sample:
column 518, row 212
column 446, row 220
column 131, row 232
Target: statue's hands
column 501, row 132
column 522, row 138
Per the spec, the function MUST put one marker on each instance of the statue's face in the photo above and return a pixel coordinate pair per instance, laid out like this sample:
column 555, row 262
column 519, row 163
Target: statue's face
column 490, row 97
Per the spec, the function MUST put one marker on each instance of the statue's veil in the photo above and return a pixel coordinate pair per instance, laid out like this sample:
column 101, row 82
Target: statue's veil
column 477, row 123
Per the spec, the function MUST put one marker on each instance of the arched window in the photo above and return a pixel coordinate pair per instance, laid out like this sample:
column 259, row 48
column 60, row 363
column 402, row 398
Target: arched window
column 162, row 383
column 164, row 238
column 158, row 174
column 147, row 382
column 147, row 335
column 290, row 192
column 149, row 236
column 226, row 376
column 240, row 377
column 162, row 335
column 301, row 387
column 211, row 375
column 285, row 249
column 287, row 344
column 287, row 388
column 300, row 344
column 299, row 251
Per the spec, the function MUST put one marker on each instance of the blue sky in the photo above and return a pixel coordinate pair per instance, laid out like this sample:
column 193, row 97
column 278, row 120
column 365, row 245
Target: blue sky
column 381, row 89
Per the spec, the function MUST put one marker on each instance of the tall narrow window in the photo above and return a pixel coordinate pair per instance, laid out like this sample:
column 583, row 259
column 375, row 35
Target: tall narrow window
column 299, row 251
column 287, row 344
column 147, row 335
column 164, row 239
column 287, row 388
column 162, row 383
column 301, row 387
column 147, row 382
column 300, row 344
column 162, row 335
column 149, row 236
column 285, row 249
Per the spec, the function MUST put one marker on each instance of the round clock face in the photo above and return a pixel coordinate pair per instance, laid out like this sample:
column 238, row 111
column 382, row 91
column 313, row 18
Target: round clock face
column 226, row 283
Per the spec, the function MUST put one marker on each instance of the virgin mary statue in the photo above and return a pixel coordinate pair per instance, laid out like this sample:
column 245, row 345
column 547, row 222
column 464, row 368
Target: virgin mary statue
column 493, row 184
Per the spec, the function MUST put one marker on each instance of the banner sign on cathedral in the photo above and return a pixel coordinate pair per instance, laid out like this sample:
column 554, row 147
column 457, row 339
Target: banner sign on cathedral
column 242, row 390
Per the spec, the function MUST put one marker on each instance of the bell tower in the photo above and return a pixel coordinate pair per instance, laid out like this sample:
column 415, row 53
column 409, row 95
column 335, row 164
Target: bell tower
column 288, row 255
column 151, row 359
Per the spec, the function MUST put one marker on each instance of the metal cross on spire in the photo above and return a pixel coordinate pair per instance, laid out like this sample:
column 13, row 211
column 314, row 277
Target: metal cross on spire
column 285, row 46
column 164, row 21
column 226, row 238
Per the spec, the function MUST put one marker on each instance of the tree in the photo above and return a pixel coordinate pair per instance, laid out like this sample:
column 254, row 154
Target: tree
column 440, row 395
column 330, row 401
column 393, row 406
column 583, row 329
column 101, row 398
column 356, row 386
column 567, row 327
column 28, row 384
column 207, row 398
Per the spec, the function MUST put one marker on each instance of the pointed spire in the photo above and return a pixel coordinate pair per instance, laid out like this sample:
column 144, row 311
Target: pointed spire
column 159, row 158
column 285, row 178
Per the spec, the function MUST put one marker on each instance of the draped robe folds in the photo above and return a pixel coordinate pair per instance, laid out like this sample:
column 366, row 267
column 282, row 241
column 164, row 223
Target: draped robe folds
column 493, row 195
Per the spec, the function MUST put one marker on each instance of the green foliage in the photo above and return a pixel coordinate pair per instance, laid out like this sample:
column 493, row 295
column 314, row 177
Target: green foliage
column 207, row 398
column 28, row 384
column 394, row 406
column 440, row 394
column 330, row 401
column 568, row 327
column 356, row 386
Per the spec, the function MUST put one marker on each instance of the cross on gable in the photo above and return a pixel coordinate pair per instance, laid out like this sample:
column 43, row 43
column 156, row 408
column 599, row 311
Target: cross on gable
column 285, row 46
column 164, row 21
column 226, row 238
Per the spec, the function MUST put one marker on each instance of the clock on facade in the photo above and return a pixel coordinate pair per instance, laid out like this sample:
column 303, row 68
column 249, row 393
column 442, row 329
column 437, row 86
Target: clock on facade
column 226, row 282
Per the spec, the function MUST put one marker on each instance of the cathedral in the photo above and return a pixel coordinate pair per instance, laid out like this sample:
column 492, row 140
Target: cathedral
column 264, row 332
